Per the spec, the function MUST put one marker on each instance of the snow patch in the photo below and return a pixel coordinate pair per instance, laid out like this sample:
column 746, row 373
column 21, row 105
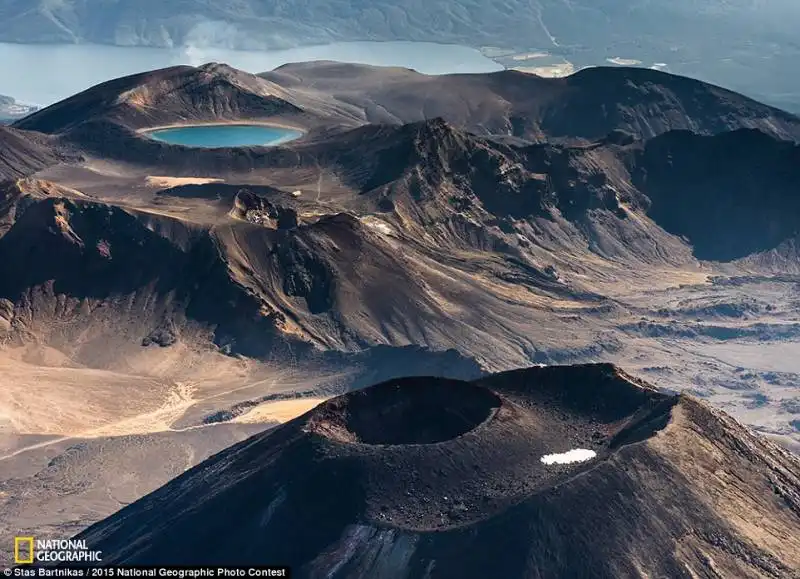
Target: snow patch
column 574, row 455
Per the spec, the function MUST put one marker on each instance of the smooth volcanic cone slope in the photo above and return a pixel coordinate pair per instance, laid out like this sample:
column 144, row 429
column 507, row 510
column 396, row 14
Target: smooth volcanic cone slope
column 23, row 153
column 428, row 477
column 178, row 94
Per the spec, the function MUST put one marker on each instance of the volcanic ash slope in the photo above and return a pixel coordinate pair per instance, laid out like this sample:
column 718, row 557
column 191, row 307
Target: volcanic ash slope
column 428, row 477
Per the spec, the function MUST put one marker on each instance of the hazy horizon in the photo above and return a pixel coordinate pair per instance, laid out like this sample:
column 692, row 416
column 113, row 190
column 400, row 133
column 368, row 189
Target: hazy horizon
column 68, row 69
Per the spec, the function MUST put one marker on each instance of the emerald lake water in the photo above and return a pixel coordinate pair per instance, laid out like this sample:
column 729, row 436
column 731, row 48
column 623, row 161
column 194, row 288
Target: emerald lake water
column 216, row 136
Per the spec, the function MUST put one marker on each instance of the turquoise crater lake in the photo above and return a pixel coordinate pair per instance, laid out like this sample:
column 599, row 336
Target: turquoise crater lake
column 217, row 136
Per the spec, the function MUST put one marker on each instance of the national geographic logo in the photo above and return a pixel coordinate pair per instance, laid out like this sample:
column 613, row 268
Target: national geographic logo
column 23, row 550
column 28, row 550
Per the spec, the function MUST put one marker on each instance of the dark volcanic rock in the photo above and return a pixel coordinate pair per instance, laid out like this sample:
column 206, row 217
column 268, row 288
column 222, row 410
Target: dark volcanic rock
column 409, row 166
column 22, row 153
column 647, row 103
column 588, row 104
column 252, row 207
column 730, row 195
column 165, row 335
column 362, row 486
column 108, row 119
column 409, row 412
column 95, row 253
column 176, row 94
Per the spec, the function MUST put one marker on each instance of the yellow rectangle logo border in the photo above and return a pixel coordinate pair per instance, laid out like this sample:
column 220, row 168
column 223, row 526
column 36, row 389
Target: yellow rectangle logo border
column 18, row 542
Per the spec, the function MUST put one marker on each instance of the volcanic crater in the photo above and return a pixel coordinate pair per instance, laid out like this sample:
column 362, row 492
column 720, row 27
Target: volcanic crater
column 358, row 475
column 433, row 453
column 406, row 411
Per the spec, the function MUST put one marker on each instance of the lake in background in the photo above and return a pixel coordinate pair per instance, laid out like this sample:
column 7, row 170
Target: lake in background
column 43, row 74
column 215, row 136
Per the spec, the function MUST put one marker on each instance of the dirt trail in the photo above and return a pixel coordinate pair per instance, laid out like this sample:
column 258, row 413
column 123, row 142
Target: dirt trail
column 35, row 446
